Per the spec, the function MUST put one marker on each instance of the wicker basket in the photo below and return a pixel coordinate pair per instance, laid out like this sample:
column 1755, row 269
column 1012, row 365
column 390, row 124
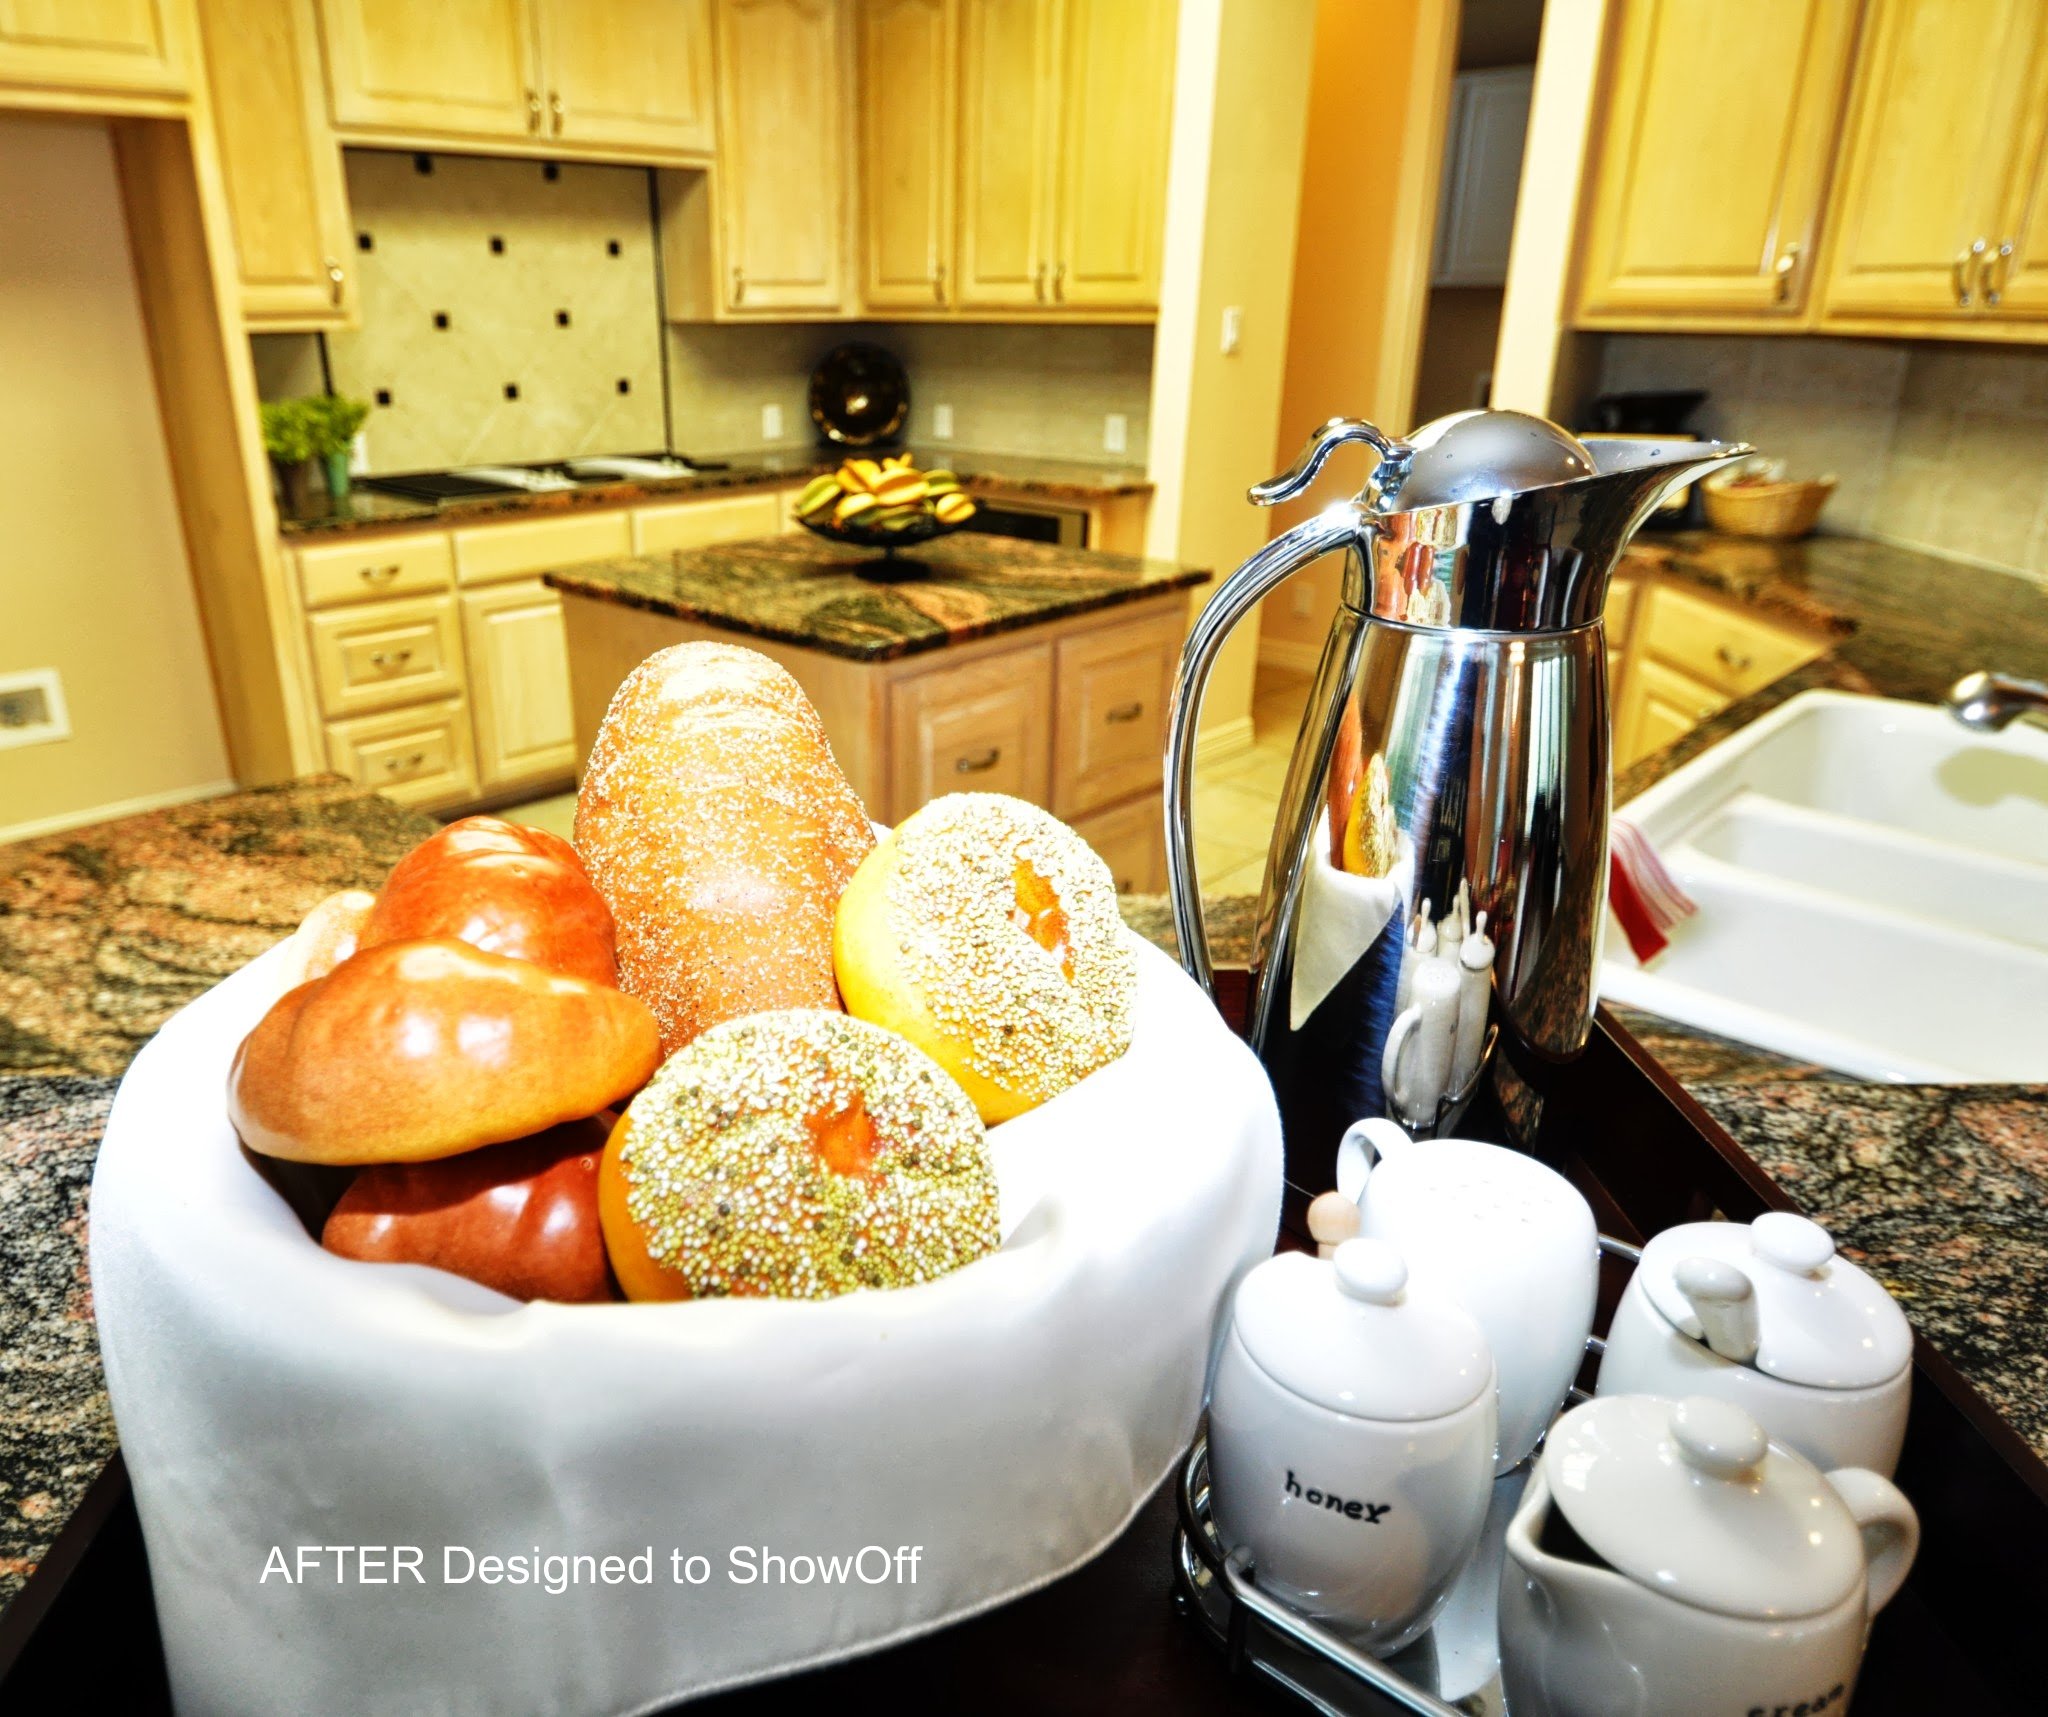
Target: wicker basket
column 1781, row 510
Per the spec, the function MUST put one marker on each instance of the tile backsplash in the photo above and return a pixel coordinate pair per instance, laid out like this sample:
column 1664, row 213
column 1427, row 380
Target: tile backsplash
column 1942, row 447
column 509, row 310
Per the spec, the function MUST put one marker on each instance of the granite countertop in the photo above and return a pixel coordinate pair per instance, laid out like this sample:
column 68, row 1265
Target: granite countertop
column 980, row 473
column 800, row 589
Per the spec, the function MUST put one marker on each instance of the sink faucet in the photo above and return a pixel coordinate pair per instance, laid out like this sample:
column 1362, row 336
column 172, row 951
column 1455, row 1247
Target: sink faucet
column 1992, row 702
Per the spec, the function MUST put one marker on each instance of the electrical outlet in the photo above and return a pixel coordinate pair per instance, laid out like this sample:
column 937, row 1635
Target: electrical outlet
column 32, row 708
column 1233, row 328
column 771, row 423
column 1116, row 432
column 359, row 453
column 942, row 423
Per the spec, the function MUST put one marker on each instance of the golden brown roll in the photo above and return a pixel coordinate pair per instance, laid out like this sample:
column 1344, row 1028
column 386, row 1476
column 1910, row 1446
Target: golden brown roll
column 720, row 831
column 796, row 1155
column 326, row 936
column 986, row 931
column 416, row 1050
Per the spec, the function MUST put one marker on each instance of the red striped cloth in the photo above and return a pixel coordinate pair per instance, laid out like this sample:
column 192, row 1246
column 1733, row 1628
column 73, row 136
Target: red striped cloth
column 1645, row 896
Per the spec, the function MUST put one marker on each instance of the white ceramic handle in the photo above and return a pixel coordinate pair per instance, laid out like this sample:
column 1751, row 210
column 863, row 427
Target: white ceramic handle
column 1724, row 1300
column 1390, row 1058
column 1891, row 1530
column 1363, row 1144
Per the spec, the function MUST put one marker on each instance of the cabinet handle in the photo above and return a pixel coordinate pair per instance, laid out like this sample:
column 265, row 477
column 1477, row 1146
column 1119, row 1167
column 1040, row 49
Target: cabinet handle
column 379, row 574
column 555, row 109
column 939, row 282
column 394, row 764
column 533, row 110
column 389, row 659
column 1125, row 712
column 1729, row 659
column 1059, row 277
column 977, row 765
column 739, row 283
column 334, row 279
column 1038, row 283
column 1965, row 270
column 1995, row 267
column 1783, row 270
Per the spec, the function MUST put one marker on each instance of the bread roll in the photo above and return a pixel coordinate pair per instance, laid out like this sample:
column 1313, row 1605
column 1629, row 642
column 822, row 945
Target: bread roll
column 326, row 936
column 720, row 831
column 417, row 1050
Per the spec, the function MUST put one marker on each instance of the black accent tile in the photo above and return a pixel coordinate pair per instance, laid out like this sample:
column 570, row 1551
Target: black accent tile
column 497, row 245
column 423, row 163
column 511, row 390
column 550, row 171
column 611, row 247
column 383, row 396
column 365, row 242
column 440, row 318
column 625, row 386
column 561, row 318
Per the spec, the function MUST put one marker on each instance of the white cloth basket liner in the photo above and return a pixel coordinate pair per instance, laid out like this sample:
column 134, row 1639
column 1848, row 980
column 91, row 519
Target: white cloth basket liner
column 1007, row 1419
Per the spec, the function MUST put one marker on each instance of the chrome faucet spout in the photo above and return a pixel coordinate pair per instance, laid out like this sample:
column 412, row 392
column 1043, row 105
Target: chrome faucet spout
column 1990, row 703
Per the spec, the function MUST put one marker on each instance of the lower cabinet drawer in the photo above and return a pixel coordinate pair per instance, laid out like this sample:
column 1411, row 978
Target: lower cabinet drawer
column 1111, row 689
column 364, row 570
column 693, row 524
column 418, row 756
column 1734, row 652
column 522, row 547
column 386, row 653
column 981, row 728
column 1131, row 840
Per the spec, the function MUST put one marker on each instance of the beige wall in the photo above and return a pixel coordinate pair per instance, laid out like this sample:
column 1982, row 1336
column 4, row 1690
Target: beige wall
column 1941, row 447
column 1041, row 389
column 94, row 580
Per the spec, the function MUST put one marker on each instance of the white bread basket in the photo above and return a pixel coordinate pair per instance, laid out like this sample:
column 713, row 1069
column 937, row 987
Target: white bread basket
column 1007, row 1420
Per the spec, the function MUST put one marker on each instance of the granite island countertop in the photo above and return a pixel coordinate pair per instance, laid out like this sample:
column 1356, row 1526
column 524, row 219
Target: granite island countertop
column 801, row 589
column 1076, row 480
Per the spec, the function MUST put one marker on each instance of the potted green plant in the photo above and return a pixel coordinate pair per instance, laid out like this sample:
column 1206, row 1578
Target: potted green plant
column 335, row 420
column 288, row 439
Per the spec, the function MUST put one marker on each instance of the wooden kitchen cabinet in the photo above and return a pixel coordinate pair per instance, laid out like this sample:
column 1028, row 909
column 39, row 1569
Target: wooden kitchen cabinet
column 633, row 74
column 385, row 653
column 280, row 163
column 783, row 134
column 126, row 47
column 908, row 76
column 977, row 728
column 1710, row 158
column 456, row 68
column 518, row 684
column 1115, row 683
column 1065, row 108
column 1935, row 144
column 1131, row 840
column 522, row 548
column 420, row 755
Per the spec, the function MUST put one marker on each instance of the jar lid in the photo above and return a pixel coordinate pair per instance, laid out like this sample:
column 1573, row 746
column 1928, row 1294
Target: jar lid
column 1348, row 1334
column 1817, row 1319
column 1691, row 1500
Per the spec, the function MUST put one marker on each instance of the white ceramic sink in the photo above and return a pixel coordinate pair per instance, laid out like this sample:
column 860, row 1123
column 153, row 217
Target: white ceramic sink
column 1872, row 881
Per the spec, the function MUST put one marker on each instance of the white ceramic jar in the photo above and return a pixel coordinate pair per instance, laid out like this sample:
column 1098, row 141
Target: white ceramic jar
column 1351, row 1438
column 1498, row 1233
column 1668, row 1558
column 1763, row 1314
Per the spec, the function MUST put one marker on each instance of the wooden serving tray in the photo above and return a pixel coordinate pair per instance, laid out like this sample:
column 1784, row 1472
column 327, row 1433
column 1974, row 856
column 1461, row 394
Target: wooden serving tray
column 1959, row 1637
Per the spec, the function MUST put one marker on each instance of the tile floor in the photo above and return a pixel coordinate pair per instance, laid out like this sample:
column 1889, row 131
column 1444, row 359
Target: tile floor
column 1234, row 800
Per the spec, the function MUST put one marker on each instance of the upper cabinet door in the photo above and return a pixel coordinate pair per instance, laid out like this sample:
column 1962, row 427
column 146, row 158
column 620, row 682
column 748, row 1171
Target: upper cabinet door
column 2016, row 271
column 455, row 68
column 782, row 150
column 125, row 46
column 1931, row 151
column 1116, row 99
column 280, row 163
column 630, row 74
column 1710, row 158
column 908, row 71
column 1008, row 112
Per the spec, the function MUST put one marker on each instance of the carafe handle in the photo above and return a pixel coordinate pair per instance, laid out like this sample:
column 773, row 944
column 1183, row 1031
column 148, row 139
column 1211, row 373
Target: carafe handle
column 1326, row 439
column 1279, row 560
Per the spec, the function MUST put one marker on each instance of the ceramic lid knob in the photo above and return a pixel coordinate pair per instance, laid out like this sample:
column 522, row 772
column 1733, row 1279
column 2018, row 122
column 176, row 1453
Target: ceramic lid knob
column 1791, row 1242
column 1717, row 1437
column 1333, row 1219
column 1371, row 1270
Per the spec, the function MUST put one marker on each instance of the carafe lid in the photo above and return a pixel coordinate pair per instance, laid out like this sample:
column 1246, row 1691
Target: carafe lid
column 1819, row 1320
column 1482, row 455
column 1347, row 1333
column 1691, row 1500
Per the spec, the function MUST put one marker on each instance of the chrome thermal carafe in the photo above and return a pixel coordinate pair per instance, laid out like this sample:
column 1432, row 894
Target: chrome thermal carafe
column 1436, row 882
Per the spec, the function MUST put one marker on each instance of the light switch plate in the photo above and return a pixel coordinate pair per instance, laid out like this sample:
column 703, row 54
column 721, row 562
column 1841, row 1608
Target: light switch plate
column 1116, row 432
column 942, row 423
column 32, row 708
column 771, row 423
column 1233, row 328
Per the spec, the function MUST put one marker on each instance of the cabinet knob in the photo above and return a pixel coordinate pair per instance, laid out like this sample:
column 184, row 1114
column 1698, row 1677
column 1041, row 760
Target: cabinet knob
column 1038, row 283
column 1995, row 267
column 533, row 110
column 1782, row 271
column 410, row 762
column 335, row 277
column 1964, row 271
column 939, row 282
column 1125, row 712
column 739, row 283
column 1729, row 659
column 1059, row 279
column 379, row 574
column 979, row 764
column 389, row 661
column 555, row 109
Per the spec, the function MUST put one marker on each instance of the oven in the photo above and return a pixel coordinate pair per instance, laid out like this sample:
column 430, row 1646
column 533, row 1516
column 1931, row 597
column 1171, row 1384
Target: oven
column 1034, row 521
